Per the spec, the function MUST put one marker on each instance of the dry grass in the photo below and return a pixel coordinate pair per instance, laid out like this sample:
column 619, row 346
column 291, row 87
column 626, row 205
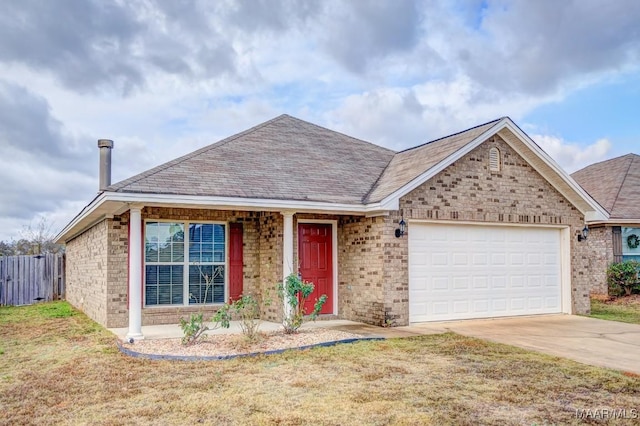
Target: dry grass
column 623, row 309
column 66, row 370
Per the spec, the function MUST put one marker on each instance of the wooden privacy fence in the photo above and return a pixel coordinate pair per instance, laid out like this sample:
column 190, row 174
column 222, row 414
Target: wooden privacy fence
column 29, row 279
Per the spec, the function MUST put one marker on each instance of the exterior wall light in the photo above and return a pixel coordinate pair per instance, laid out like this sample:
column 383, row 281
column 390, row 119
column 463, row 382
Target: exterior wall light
column 403, row 227
column 585, row 233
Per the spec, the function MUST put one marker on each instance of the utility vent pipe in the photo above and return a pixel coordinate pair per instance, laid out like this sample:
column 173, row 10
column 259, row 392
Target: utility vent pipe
column 105, row 145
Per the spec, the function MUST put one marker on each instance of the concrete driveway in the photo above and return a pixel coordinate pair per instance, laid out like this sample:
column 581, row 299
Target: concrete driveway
column 590, row 341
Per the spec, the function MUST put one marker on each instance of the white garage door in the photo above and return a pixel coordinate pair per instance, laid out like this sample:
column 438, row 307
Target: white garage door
column 470, row 271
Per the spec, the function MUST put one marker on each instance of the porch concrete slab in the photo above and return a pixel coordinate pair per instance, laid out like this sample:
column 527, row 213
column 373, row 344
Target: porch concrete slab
column 588, row 340
column 172, row 331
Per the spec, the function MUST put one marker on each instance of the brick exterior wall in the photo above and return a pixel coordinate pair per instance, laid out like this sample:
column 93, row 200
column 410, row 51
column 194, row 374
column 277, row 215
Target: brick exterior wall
column 86, row 272
column 117, row 277
column 373, row 283
column 600, row 256
column 360, row 272
column 270, row 262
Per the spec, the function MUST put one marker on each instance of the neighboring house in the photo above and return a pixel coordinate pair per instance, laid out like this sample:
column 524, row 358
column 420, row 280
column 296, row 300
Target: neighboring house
column 615, row 185
column 490, row 224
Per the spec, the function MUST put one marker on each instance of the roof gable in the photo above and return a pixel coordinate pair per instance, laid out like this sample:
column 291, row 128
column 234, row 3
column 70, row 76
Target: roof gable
column 408, row 165
column 284, row 158
column 615, row 184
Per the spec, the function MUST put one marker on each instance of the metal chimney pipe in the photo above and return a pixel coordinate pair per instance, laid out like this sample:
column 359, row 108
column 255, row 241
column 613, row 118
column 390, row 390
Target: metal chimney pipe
column 105, row 145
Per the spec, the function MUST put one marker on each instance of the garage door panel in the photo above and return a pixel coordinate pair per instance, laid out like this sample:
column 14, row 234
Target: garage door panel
column 440, row 308
column 499, row 305
column 517, row 304
column 439, row 259
column 535, row 303
column 551, row 302
column 480, row 259
column 517, row 281
column 480, row 282
column 461, row 283
column 498, row 282
column 463, row 271
column 440, row 283
column 481, row 305
column 459, row 259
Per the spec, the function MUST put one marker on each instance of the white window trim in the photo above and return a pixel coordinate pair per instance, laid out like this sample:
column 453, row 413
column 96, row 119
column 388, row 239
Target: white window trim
column 186, row 263
column 334, row 253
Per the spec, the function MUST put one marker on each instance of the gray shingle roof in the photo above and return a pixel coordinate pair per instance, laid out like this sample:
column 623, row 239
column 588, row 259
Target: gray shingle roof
column 284, row 158
column 615, row 185
column 290, row 159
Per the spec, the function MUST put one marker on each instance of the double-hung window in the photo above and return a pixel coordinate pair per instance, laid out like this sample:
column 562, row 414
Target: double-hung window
column 185, row 263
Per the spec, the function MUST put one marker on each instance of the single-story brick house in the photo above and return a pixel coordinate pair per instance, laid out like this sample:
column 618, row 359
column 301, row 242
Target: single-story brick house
column 482, row 223
column 615, row 185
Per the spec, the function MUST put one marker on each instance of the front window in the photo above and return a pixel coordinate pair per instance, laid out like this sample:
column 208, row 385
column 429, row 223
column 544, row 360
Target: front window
column 184, row 268
column 630, row 246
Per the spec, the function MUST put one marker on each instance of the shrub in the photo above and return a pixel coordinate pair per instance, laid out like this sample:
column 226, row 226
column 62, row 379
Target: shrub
column 622, row 278
column 195, row 327
column 295, row 292
column 247, row 311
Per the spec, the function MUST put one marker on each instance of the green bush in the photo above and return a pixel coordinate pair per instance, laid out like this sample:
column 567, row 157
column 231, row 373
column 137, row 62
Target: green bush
column 247, row 311
column 622, row 278
column 295, row 292
column 194, row 327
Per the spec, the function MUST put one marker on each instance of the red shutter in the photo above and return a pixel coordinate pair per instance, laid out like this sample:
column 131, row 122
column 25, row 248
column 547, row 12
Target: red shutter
column 235, row 261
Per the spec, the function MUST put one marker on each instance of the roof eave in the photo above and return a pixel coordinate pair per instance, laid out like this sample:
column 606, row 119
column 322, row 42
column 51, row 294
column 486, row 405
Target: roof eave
column 108, row 204
column 614, row 222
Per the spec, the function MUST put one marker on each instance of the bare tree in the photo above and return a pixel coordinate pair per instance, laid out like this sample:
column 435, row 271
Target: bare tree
column 38, row 239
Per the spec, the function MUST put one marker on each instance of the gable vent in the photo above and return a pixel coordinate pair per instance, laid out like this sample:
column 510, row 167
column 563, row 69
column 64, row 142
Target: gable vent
column 494, row 159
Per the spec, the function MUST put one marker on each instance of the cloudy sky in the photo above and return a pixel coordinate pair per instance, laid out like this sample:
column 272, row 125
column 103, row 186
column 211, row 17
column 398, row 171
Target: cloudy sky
column 162, row 78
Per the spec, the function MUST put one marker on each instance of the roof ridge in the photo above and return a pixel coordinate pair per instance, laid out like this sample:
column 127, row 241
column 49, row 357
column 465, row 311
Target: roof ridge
column 607, row 160
column 453, row 134
column 340, row 133
column 624, row 178
column 375, row 183
column 190, row 155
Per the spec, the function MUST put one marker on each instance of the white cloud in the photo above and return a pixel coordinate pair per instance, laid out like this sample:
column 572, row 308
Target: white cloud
column 400, row 118
column 573, row 156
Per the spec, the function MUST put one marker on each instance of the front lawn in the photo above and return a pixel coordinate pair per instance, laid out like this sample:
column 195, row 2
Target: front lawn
column 58, row 367
column 623, row 309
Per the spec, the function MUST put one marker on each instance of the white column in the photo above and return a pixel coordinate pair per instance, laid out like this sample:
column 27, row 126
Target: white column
column 135, row 274
column 287, row 254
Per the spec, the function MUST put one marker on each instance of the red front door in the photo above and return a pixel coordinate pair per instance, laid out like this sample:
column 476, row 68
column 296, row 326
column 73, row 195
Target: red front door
column 315, row 255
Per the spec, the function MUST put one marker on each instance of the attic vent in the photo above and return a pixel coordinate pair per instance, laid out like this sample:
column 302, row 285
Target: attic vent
column 494, row 159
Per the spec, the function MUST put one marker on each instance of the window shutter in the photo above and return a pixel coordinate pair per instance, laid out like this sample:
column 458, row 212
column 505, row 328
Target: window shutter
column 617, row 244
column 235, row 262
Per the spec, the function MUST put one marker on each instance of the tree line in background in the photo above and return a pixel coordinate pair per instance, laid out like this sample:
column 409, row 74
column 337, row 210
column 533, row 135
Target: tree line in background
column 34, row 240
